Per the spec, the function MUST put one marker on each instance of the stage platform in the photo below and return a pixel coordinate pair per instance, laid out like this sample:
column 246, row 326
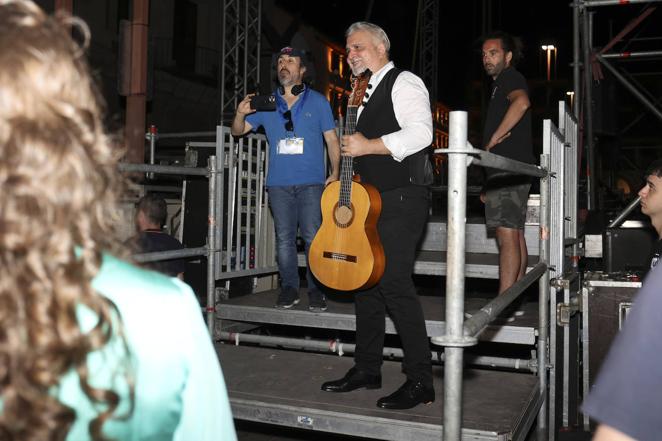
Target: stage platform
column 283, row 387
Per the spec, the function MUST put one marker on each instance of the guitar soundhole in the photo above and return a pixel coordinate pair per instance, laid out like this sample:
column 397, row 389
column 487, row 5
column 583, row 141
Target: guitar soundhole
column 343, row 215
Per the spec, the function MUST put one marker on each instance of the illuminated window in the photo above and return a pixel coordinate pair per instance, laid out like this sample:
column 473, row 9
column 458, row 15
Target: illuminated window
column 335, row 61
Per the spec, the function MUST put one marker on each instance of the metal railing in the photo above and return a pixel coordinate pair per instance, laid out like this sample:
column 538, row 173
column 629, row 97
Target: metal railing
column 245, row 225
column 152, row 135
column 209, row 250
column 240, row 234
column 460, row 334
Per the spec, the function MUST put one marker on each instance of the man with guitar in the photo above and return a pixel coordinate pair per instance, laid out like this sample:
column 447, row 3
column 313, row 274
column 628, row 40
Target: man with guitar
column 389, row 148
column 296, row 131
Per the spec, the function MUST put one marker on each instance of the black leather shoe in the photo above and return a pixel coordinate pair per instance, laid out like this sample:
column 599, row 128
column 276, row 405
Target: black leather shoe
column 353, row 379
column 409, row 395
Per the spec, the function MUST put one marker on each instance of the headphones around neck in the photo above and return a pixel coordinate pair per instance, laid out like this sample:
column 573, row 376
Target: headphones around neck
column 296, row 89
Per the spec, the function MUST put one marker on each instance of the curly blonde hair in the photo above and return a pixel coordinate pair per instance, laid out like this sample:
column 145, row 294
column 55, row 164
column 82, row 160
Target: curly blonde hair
column 58, row 192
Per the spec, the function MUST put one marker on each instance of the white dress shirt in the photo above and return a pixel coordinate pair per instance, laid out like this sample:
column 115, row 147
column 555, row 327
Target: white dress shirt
column 411, row 105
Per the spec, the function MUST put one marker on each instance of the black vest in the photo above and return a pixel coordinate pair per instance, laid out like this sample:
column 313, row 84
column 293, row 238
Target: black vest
column 378, row 119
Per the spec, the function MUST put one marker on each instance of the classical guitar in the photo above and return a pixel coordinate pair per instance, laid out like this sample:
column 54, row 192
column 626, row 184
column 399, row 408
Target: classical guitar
column 346, row 253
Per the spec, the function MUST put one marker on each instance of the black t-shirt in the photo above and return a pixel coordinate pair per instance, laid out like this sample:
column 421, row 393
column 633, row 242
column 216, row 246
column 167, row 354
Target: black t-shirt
column 518, row 145
column 150, row 241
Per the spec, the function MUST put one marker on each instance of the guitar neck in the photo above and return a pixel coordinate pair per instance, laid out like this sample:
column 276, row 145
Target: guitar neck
column 347, row 164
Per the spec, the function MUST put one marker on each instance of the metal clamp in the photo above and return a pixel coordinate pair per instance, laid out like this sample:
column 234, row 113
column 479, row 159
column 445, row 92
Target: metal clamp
column 564, row 311
column 454, row 342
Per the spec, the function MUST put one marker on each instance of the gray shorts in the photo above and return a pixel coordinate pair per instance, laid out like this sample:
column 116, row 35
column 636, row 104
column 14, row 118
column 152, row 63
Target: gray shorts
column 505, row 206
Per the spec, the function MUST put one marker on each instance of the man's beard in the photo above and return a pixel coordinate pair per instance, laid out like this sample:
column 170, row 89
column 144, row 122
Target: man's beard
column 358, row 69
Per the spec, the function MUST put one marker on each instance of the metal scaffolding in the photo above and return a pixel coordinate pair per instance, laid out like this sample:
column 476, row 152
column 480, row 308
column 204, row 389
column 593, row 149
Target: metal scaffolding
column 588, row 60
column 240, row 57
column 427, row 45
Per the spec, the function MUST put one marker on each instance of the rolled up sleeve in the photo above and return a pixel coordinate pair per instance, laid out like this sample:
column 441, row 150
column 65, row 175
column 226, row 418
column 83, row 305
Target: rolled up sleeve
column 411, row 104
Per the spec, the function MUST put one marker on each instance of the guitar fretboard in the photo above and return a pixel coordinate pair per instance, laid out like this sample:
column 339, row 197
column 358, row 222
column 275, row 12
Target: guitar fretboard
column 347, row 165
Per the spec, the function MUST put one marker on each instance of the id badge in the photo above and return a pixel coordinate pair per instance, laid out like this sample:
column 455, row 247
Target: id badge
column 290, row 146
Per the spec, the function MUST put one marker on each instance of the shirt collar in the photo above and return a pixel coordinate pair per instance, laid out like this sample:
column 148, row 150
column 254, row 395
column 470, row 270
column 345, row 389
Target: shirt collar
column 376, row 77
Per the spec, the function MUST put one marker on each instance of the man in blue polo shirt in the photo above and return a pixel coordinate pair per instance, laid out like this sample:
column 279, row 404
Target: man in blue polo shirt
column 296, row 131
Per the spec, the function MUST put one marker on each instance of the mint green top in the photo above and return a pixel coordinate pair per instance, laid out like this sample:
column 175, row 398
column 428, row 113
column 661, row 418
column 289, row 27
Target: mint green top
column 179, row 388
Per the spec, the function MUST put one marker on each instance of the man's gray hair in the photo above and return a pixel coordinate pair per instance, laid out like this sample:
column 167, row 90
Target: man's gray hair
column 373, row 29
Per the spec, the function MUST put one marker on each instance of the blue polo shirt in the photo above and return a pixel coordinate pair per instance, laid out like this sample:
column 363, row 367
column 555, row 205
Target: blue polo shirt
column 311, row 117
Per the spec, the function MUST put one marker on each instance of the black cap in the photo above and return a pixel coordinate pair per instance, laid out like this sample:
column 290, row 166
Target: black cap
column 292, row 52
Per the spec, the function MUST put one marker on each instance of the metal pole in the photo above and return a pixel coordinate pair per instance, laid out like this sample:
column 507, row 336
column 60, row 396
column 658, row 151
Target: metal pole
column 340, row 348
column 457, row 202
column 162, row 169
column 543, row 300
column 576, row 77
column 211, row 249
column 588, row 111
column 221, row 133
column 591, row 3
column 487, row 159
column 630, row 87
column 152, row 147
column 489, row 312
column 627, row 210
column 169, row 255
column 640, row 54
column 152, row 143
column 176, row 135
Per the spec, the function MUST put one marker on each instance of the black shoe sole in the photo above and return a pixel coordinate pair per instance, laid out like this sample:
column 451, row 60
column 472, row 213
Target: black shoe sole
column 427, row 403
column 296, row 302
column 365, row 386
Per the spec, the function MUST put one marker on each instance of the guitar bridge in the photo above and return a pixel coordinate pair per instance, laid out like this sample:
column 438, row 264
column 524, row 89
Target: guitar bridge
column 339, row 256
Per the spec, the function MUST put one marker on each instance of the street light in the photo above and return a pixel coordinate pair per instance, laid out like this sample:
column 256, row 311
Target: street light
column 571, row 94
column 549, row 48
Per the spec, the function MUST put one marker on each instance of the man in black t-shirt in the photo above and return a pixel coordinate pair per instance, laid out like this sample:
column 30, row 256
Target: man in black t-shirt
column 507, row 133
column 151, row 216
column 651, row 205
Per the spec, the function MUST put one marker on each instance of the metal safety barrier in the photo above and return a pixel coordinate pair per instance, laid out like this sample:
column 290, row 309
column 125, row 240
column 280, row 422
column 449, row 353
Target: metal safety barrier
column 209, row 250
column 460, row 334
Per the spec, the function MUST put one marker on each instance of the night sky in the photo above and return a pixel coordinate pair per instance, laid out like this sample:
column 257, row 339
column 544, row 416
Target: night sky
column 461, row 24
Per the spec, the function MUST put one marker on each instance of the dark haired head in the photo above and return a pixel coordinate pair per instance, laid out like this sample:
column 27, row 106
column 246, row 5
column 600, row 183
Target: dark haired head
column 655, row 169
column 509, row 43
column 154, row 209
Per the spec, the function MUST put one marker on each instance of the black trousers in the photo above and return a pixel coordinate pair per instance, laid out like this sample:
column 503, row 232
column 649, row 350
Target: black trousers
column 403, row 217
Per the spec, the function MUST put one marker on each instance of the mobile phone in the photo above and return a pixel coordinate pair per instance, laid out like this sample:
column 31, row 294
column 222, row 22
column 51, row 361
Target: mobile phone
column 263, row 102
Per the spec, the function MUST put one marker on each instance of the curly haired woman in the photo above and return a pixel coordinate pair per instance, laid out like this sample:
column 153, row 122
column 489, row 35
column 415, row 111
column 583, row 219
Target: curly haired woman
column 91, row 347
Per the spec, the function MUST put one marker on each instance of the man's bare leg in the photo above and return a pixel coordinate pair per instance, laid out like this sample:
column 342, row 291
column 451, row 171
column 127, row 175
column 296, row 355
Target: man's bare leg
column 523, row 254
column 509, row 256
